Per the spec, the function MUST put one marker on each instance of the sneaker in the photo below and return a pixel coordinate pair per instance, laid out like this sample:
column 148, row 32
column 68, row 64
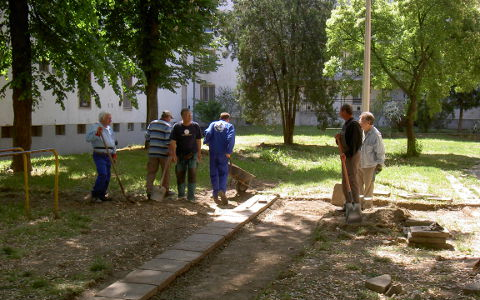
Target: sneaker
column 223, row 197
column 107, row 198
column 96, row 200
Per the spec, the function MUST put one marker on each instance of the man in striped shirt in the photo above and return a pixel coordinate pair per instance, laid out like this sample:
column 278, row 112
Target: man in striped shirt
column 158, row 139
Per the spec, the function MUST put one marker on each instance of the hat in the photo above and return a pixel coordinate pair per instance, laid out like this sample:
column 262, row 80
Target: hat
column 166, row 113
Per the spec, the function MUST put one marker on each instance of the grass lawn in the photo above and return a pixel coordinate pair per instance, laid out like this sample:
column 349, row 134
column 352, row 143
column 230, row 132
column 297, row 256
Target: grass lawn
column 310, row 166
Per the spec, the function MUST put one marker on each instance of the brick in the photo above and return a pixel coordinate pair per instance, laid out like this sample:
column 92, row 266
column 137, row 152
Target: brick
column 418, row 222
column 472, row 288
column 379, row 284
column 424, row 231
column 198, row 246
column 158, row 278
column 338, row 198
column 182, row 255
column 129, row 291
column 167, row 265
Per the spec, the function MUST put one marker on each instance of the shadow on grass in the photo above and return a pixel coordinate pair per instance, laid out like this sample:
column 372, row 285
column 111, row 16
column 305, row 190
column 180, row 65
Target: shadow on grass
column 440, row 161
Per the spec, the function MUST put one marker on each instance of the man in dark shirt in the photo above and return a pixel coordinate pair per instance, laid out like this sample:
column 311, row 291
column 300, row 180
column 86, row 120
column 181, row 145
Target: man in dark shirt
column 185, row 149
column 351, row 140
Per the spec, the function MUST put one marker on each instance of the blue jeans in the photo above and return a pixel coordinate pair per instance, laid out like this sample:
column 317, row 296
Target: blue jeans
column 218, row 172
column 103, row 164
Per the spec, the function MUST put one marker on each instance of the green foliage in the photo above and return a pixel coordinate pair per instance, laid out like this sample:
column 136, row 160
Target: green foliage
column 100, row 265
column 68, row 36
column 208, row 111
column 160, row 38
column 421, row 47
column 229, row 100
column 280, row 46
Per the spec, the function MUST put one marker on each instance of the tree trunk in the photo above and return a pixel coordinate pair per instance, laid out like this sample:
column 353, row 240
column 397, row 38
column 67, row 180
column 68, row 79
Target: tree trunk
column 21, row 79
column 288, row 131
column 411, row 140
column 460, row 119
column 152, row 98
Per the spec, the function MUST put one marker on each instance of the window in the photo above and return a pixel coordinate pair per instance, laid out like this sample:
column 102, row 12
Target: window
column 84, row 96
column 144, row 126
column 130, row 127
column 207, row 92
column 357, row 99
column 36, row 130
column 116, row 127
column 59, row 129
column 7, row 131
column 81, row 128
column 43, row 66
column 127, row 104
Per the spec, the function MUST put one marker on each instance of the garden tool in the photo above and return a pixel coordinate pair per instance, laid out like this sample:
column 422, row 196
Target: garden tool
column 159, row 194
column 115, row 169
column 353, row 211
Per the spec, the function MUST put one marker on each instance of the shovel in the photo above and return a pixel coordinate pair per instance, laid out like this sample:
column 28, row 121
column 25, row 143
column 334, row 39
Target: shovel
column 353, row 211
column 159, row 195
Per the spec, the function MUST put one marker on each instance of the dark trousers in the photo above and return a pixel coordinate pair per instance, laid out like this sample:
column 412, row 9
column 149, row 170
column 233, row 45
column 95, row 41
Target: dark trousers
column 218, row 172
column 353, row 167
column 183, row 167
column 103, row 164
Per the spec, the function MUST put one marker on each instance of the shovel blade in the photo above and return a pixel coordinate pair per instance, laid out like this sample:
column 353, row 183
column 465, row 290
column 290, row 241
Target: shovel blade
column 158, row 194
column 353, row 213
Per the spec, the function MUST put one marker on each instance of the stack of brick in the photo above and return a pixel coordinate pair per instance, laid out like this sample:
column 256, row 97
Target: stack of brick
column 431, row 236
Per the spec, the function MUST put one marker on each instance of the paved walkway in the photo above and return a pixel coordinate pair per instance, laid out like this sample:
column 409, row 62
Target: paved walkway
column 156, row 274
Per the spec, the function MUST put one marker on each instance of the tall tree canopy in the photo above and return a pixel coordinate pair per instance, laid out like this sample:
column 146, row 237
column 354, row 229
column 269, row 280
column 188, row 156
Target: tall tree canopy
column 281, row 49
column 168, row 40
column 422, row 47
column 65, row 34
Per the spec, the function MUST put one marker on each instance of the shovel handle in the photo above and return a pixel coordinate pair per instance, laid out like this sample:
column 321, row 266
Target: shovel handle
column 114, row 167
column 344, row 168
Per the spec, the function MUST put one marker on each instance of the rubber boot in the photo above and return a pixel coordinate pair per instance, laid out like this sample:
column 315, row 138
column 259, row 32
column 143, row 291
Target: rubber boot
column 181, row 190
column 191, row 191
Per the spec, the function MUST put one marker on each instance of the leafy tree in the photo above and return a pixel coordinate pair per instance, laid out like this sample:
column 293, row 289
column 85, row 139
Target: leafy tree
column 419, row 46
column 167, row 39
column 280, row 46
column 462, row 101
column 229, row 101
column 208, row 111
column 67, row 35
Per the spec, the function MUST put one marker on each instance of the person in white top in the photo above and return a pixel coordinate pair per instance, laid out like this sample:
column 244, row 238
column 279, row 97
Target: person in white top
column 372, row 157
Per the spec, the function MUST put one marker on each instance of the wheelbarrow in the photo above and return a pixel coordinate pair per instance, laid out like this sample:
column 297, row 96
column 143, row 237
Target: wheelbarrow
column 241, row 177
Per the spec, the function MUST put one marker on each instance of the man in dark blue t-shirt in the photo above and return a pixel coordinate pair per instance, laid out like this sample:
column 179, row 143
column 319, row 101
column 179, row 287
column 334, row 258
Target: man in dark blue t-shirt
column 185, row 148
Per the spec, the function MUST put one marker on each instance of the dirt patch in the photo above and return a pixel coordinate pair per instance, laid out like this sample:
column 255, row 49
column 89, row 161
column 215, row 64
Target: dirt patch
column 120, row 234
column 258, row 254
column 344, row 256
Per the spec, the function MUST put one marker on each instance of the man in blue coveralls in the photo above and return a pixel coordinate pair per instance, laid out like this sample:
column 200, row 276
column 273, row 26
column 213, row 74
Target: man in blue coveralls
column 220, row 137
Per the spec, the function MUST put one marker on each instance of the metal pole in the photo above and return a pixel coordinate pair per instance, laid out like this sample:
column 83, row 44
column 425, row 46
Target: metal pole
column 366, row 59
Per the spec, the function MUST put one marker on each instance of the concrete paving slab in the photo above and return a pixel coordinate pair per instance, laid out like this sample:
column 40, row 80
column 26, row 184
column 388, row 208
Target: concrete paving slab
column 379, row 284
column 182, row 255
column 158, row 278
column 128, row 291
column 232, row 219
column 198, row 246
column 224, row 224
column 225, row 231
column 203, row 237
column 105, row 298
column 167, row 265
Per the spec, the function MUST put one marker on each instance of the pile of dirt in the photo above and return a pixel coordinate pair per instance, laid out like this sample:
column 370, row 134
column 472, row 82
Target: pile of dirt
column 393, row 218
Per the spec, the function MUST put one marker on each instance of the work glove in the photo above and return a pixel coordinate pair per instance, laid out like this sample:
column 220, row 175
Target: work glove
column 99, row 131
column 378, row 169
